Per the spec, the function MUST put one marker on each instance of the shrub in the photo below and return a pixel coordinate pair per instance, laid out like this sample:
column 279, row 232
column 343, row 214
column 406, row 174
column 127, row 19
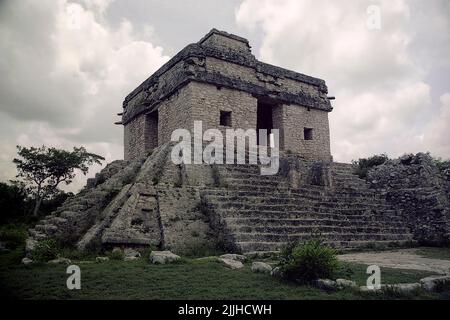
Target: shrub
column 309, row 261
column 14, row 203
column 442, row 164
column 13, row 236
column 116, row 254
column 75, row 254
column 45, row 250
column 363, row 165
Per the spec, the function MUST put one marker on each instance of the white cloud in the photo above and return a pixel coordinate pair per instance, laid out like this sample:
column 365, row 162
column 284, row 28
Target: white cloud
column 65, row 73
column 437, row 131
column 383, row 101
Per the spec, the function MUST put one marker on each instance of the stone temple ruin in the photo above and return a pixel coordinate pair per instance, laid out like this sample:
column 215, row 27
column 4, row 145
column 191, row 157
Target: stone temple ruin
column 146, row 200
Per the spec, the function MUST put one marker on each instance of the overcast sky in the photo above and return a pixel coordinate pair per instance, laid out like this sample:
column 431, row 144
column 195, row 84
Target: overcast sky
column 66, row 66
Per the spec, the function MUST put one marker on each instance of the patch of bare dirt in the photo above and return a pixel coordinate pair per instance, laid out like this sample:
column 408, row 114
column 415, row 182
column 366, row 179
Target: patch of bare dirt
column 399, row 259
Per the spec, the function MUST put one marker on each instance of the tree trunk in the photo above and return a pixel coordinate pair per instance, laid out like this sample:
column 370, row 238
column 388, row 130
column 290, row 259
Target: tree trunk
column 37, row 205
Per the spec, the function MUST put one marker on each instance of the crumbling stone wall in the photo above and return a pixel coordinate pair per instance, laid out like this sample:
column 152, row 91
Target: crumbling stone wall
column 414, row 184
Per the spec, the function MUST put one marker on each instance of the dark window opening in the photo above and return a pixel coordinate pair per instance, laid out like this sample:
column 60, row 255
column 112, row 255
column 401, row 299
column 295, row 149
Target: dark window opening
column 308, row 133
column 151, row 131
column 264, row 119
column 225, row 118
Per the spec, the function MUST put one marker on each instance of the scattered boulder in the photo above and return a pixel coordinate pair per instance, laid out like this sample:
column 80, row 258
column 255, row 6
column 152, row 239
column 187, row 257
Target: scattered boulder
column 276, row 272
column 261, row 267
column 233, row 256
column 131, row 255
column 432, row 283
column 339, row 284
column 344, row 283
column 325, row 284
column 30, row 244
column 163, row 257
column 367, row 289
column 402, row 287
column 101, row 259
column 230, row 263
column 132, row 258
column 60, row 261
column 27, row 261
column 399, row 287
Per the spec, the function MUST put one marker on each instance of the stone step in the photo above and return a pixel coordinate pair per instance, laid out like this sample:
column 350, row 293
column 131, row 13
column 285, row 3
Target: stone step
column 56, row 221
column 47, row 229
column 299, row 237
column 285, row 199
column 68, row 214
column 247, row 214
column 36, row 235
column 326, row 220
column 343, row 166
column 264, row 180
column 359, row 184
column 261, row 247
column 349, row 179
column 316, row 194
column 354, row 208
column 257, row 229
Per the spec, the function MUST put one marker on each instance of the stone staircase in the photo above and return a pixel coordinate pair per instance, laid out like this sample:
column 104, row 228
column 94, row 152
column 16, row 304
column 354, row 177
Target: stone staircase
column 262, row 213
column 77, row 214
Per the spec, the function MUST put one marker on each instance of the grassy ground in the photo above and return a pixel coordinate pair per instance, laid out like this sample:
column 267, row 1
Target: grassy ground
column 191, row 279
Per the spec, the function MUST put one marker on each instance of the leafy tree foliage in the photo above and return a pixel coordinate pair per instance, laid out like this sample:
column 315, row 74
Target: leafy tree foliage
column 43, row 169
column 13, row 202
column 363, row 165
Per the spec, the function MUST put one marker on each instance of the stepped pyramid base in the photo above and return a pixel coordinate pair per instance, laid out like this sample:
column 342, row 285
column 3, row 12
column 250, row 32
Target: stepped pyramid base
column 189, row 208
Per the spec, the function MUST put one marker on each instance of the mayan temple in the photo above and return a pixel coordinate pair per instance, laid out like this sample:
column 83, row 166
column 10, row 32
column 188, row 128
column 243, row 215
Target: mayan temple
column 147, row 200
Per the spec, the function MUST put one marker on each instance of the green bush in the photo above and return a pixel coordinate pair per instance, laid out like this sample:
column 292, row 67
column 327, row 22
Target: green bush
column 309, row 261
column 363, row 165
column 13, row 236
column 116, row 254
column 442, row 164
column 45, row 250
column 75, row 254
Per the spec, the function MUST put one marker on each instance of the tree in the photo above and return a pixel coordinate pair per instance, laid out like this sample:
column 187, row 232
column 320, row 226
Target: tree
column 44, row 169
column 13, row 202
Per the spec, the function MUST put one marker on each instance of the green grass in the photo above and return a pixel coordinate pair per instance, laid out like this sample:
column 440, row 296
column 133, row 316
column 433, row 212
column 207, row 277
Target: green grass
column 434, row 253
column 192, row 279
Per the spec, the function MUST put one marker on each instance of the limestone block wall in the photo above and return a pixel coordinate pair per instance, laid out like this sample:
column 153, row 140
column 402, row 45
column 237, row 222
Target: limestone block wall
column 207, row 101
column 293, row 120
column 140, row 136
column 247, row 74
column 175, row 113
column 204, row 102
column 216, row 40
column 134, row 138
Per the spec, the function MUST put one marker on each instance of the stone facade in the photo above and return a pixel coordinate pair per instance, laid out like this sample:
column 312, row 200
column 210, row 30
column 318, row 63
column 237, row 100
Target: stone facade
column 220, row 75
